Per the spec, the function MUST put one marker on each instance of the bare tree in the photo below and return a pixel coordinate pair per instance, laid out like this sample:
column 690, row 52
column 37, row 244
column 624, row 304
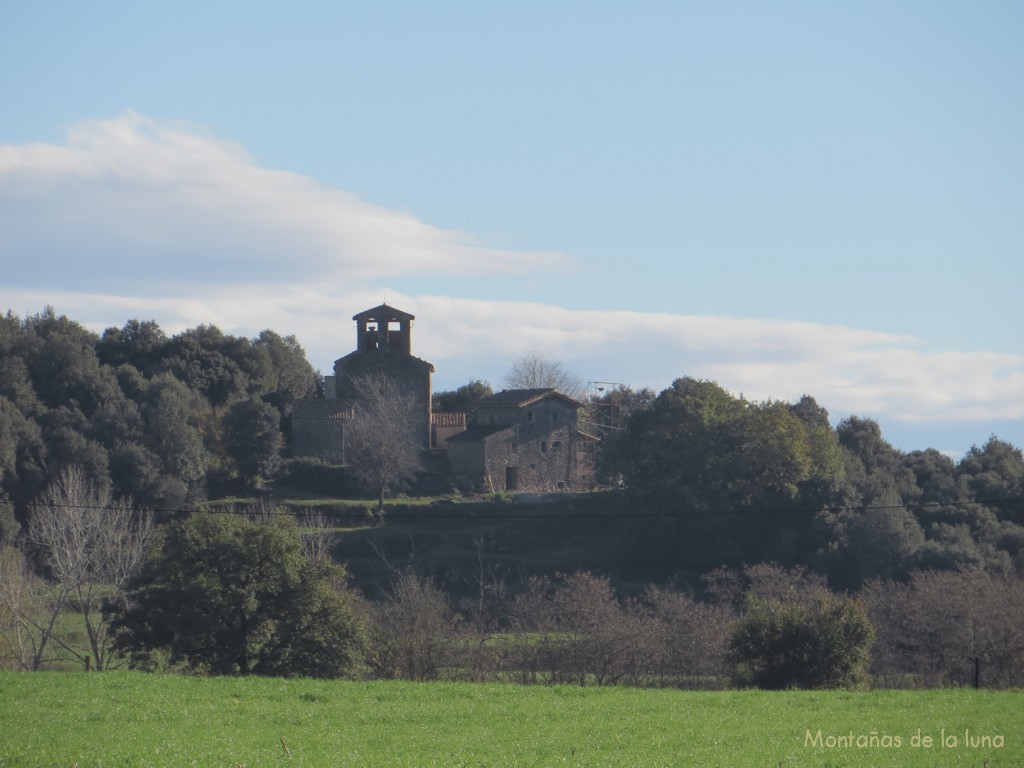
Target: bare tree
column 944, row 628
column 412, row 631
column 317, row 537
column 383, row 446
column 575, row 630
column 535, row 370
column 692, row 636
column 26, row 619
column 90, row 546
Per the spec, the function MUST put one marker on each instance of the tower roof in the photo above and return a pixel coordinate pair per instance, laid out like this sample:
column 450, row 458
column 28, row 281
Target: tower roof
column 381, row 311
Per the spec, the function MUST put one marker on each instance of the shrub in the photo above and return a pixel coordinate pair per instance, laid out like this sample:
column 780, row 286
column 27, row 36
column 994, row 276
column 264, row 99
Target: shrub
column 791, row 643
column 231, row 595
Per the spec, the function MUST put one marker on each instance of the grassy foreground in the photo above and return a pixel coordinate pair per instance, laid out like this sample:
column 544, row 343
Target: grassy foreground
column 133, row 719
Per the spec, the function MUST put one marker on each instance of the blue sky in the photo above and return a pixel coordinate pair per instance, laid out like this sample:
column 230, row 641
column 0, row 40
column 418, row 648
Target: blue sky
column 787, row 198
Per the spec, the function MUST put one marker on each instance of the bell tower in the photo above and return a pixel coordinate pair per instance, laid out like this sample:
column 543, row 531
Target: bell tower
column 384, row 329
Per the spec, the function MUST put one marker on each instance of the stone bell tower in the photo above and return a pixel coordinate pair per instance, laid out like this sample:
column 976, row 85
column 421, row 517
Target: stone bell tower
column 384, row 346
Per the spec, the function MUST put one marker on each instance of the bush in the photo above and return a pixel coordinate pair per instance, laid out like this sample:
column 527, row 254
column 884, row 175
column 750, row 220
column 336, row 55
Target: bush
column 824, row 643
column 229, row 595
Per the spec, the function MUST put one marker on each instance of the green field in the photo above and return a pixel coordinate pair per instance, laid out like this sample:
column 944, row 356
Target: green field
column 133, row 719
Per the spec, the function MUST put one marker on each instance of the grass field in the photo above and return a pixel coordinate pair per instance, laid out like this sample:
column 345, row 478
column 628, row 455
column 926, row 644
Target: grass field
column 133, row 719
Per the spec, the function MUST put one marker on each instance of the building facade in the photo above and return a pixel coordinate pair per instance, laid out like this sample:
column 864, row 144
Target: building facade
column 383, row 348
column 523, row 440
column 516, row 440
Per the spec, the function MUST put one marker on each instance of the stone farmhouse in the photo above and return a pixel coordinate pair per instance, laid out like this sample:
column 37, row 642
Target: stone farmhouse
column 523, row 440
column 516, row 440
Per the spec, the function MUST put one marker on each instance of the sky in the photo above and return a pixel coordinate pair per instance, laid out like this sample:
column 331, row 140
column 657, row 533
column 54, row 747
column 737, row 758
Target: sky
column 787, row 198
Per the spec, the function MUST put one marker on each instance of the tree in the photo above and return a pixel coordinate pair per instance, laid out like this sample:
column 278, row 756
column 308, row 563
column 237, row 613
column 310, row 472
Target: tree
column 292, row 376
column 692, row 636
column 231, row 595
column 383, row 442
column 994, row 476
column 535, row 370
column 789, row 644
column 207, row 361
column 138, row 344
column 172, row 415
column 412, row 631
column 936, row 625
column 575, row 630
column 91, row 546
column 252, row 438
column 711, row 456
column 27, row 616
column 461, row 399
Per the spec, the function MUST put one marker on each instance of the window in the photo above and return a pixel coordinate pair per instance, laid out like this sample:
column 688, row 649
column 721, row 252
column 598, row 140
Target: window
column 556, row 446
column 544, row 448
column 529, row 415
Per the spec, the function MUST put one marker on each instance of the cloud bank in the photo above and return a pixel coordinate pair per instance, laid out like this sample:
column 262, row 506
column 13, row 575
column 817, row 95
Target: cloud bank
column 135, row 202
column 133, row 217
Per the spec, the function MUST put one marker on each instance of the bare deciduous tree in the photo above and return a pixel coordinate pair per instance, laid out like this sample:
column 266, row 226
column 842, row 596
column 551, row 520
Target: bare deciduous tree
column 90, row 546
column 575, row 631
column 413, row 631
column 383, row 443
column 317, row 537
column 936, row 628
column 26, row 620
column 535, row 370
column 692, row 638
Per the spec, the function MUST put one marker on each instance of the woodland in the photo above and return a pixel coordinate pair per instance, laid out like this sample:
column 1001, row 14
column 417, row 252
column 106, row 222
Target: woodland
column 736, row 509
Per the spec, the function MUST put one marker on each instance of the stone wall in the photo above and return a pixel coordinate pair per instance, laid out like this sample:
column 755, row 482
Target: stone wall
column 410, row 375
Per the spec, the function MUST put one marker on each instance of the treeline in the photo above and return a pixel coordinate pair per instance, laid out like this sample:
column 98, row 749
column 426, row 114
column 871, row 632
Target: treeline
column 715, row 480
column 164, row 420
column 762, row 625
column 255, row 591
column 731, row 482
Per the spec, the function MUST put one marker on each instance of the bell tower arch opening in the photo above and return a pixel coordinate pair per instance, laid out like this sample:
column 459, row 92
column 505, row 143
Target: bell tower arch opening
column 384, row 329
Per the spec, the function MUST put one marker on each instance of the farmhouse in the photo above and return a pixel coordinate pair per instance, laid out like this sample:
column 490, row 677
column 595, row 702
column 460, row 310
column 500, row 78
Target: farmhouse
column 516, row 440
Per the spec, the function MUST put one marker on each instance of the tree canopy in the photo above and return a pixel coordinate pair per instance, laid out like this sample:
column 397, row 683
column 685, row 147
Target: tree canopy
column 230, row 595
column 142, row 414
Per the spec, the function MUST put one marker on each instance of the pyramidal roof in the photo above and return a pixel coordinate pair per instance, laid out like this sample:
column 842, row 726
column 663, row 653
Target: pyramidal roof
column 383, row 310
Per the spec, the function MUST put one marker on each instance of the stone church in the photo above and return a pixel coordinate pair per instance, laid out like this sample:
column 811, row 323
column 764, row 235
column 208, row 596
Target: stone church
column 516, row 440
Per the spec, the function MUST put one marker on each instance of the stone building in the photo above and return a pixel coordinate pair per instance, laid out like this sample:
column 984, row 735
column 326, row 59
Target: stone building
column 516, row 440
column 523, row 440
column 318, row 428
column 383, row 346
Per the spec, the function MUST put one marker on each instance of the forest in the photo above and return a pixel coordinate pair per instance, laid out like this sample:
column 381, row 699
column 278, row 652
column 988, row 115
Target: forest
column 734, row 502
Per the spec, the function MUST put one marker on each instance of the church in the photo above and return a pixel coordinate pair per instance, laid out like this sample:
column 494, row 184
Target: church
column 515, row 440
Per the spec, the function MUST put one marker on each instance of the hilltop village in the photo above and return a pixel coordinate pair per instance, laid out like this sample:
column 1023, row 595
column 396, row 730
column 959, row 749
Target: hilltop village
column 514, row 440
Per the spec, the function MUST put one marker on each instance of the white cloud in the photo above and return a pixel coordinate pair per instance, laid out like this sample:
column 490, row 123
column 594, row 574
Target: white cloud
column 134, row 201
column 155, row 220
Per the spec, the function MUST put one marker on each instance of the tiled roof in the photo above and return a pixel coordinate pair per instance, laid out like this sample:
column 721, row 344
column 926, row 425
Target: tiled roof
column 519, row 398
column 320, row 410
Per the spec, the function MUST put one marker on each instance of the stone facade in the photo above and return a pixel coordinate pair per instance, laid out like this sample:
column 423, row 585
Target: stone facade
column 383, row 346
column 318, row 428
column 523, row 440
column 444, row 426
column 516, row 440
